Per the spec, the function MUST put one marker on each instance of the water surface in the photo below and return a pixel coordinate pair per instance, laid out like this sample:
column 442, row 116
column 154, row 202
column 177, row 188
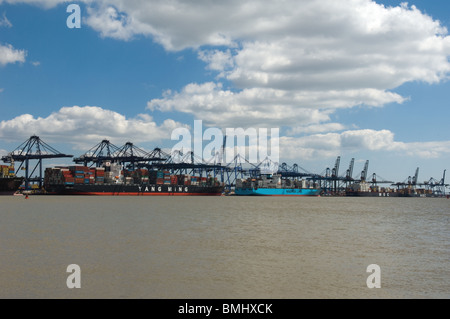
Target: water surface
column 224, row 247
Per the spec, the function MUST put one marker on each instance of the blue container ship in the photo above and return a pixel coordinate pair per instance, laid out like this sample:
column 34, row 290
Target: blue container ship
column 275, row 185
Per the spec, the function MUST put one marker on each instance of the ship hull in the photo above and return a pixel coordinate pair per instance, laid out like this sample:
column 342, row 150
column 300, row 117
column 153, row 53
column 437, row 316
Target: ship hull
column 277, row 192
column 372, row 194
column 134, row 190
column 9, row 186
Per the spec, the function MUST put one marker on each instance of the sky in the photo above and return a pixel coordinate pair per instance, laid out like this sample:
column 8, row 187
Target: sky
column 353, row 78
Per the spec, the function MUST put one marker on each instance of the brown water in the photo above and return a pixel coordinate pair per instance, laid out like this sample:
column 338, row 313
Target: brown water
column 224, row 247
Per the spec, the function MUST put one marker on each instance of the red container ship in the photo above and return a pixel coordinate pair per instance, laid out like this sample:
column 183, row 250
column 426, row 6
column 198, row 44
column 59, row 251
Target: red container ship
column 112, row 180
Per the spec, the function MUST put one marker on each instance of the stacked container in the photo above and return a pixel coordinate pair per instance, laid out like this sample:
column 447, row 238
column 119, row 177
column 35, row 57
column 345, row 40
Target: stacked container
column 58, row 176
column 84, row 175
column 160, row 178
column 180, row 180
column 99, row 175
column 167, row 178
column 78, row 173
column 7, row 171
column 68, row 178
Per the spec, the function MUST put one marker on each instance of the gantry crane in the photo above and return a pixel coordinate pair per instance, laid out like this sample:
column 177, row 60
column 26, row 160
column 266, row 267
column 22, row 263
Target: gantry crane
column 32, row 149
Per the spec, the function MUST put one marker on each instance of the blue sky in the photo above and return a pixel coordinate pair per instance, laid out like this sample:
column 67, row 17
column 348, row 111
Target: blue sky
column 355, row 79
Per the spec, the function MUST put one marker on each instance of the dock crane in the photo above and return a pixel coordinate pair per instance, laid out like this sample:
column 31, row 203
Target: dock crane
column 379, row 180
column 103, row 151
column 128, row 153
column 335, row 173
column 415, row 178
column 442, row 184
column 335, row 170
column 365, row 171
column 33, row 149
column 349, row 173
column 437, row 187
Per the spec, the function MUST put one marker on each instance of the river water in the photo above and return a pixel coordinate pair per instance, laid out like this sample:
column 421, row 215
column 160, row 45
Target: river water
column 224, row 247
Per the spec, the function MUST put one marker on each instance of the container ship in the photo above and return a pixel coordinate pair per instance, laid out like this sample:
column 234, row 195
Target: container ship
column 364, row 189
column 9, row 182
column 275, row 185
column 113, row 180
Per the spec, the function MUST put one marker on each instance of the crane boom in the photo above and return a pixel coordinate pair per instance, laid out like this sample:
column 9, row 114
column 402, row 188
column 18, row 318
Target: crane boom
column 364, row 172
column 350, row 169
column 416, row 177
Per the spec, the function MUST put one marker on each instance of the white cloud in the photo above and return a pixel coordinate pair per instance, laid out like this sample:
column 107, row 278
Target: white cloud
column 86, row 126
column 317, row 128
column 321, row 54
column 248, row 108
column 332, row 144
column 263, row 106
column 10, row 55
column 286, row 61
column 110, row 23
column 217, row 60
